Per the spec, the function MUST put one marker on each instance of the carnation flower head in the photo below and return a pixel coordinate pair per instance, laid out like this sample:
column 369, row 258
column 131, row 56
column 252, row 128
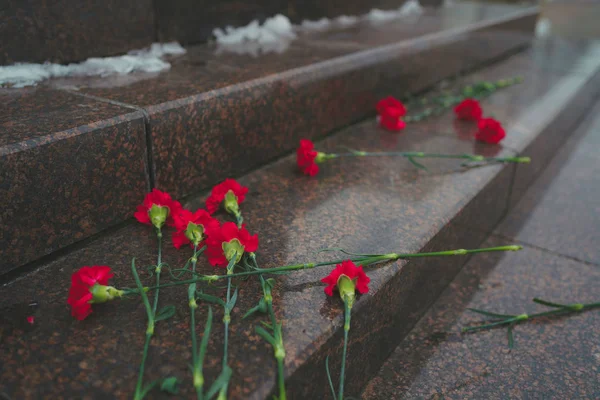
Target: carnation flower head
column 490, row 131
column 469, row 109
column 193, row 227
column 390, row 111
column 227, row 242
column 229, row 193
column 346, row 278
column 157, row 209
column 306, row 156
column 89, row 286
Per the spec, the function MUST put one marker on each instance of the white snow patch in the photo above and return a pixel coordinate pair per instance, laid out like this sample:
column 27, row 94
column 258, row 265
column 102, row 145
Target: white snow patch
column 543, row 28
column 276, row 33
column 147, row 60
column 411, row 7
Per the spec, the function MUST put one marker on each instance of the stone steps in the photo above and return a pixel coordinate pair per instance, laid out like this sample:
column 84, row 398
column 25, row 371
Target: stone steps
column 365, row 205
column 557, row 223
column 77, row 155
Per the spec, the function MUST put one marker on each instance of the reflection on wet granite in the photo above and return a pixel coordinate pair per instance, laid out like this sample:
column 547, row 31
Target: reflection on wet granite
column 72, row 30
column 64, row 179
column 245, row 111
column 552, row 358
column 560, row 211
column 552, row 99
column 373, row 205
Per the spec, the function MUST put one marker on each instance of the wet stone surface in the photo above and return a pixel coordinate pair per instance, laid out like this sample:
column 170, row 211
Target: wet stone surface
column 551, row 358
column 69, row 168
column 401, row 209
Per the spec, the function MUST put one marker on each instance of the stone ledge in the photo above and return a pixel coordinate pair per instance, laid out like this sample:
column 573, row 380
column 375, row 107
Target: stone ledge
column 245, row 111
column 213, row 116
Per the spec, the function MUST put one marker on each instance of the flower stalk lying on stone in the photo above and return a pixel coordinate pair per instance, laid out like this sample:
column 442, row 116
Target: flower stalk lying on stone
column 440, row 103
column 225, row 247
column 275, row 339
column 346, row 278
column 511, row 320
column 308, row 159
column 194, row 228
column 157, row 209
column 228, row 194
column 363, row 259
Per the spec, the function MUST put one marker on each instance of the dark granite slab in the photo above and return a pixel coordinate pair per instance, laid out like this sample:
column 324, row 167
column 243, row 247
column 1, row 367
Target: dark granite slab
column 192, row 22
column 367, row 205
column 560, row 212
column 73, row 30
column 244, row 111
column 552, row 358
column 540, row 113
column 69, row 168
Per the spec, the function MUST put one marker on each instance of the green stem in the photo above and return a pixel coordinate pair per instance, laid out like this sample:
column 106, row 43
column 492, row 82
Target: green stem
column 410, row 154
column 364, row 260
column 198, row 379
column 149, row 332
column 567, row 309
column 347, row 314
column 151, row 315
column 226, row 320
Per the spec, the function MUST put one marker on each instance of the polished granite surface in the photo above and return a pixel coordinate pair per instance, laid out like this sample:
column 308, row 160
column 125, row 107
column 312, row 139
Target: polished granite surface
column 401, row 209
column 70, row 167
column 556, row 221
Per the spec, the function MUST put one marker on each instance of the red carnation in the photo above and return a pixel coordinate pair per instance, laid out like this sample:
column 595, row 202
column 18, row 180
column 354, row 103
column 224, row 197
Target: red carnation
column 305, row 158
column 352, row 272
column 229, row 192
column 490, row 131
column 390, row 112
column 469, row 109
column 158, row 207
column 228, row 240
column 83, row 282
column 192, row 227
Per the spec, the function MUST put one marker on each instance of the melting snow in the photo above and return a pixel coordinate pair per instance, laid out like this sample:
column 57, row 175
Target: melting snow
column 276, row 33
column 146, row 60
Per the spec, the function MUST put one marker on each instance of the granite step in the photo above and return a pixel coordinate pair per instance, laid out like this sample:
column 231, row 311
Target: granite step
column 557, row 221
column 76, row 155
column 365, row 205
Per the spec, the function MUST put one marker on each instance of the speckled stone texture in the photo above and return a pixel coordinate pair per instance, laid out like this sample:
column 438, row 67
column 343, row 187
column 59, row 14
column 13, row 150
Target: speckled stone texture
column 560, row 212
column 215, row 115
column 69, row 168
column 552, row 357
column 561, row 81
column 401, row 209
column 73, row 30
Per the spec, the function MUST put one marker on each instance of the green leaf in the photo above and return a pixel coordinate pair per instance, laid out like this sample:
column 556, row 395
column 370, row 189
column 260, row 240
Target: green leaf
column 221, row 381
column 232, row 300
column 416, row 164
column 266, row 335
column 206, row 336
column 211, row 299
column 267, row 324
column 329, row 378
column 490, row 314
column 138, row 283
column 164, row 313
column 550, row 304
column 148, row 388
column 169, row 385
column 511, row 341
